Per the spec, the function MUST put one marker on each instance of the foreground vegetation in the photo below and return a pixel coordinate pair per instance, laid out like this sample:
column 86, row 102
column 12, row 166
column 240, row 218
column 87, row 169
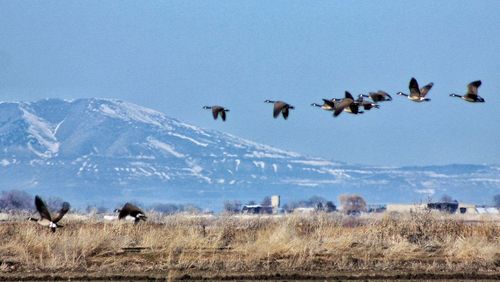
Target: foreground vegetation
column 318, row 245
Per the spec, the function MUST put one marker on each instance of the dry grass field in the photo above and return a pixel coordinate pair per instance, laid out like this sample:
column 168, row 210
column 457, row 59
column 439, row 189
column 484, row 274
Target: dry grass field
column 295, row 246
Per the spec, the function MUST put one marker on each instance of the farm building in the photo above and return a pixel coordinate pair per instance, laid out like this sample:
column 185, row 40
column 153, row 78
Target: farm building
column 260, row 209
column 466, row 209
column 449, row 207
column 406, row 207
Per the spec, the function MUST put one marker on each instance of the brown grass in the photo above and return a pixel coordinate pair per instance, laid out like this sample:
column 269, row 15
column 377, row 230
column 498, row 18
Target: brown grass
column 319, row 243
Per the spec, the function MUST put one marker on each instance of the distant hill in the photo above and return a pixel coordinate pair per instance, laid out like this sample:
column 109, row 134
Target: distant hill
column 108, row 151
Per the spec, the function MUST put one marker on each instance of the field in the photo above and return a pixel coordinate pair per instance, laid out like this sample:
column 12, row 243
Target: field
column 317, row 246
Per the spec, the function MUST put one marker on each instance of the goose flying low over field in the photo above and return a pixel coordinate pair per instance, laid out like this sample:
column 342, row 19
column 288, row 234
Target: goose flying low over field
column 46, row 218
column 471, row 95
column 131, row 210
column 280, row 107
column 379, row 96
column 217, row 111
column 417, row 94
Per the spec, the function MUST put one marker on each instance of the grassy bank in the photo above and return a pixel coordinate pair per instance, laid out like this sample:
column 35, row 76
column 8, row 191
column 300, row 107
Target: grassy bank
column 319, row 244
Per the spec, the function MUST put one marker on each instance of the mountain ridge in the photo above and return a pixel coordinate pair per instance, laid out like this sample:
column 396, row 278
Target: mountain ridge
column 112, row 150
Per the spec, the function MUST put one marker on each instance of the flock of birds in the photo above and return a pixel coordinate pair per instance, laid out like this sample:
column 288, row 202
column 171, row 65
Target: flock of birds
column 336, row 105
column 52, row 222
column 356, row 106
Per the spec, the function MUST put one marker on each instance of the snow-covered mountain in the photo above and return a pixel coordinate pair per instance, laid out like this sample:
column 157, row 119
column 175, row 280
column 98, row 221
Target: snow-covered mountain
column 107, row 151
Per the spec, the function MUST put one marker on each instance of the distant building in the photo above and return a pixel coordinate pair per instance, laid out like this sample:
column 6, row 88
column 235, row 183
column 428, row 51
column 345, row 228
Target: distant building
column 274, row 208
column 376, row 208
column 256, row 209
column 275, row 201
column 406, row 207
column 487, row 210
column 304, row 210
column 466, row 209
column 449, row 207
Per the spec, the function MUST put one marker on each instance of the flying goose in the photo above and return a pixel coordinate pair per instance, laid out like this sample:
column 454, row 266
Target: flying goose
column 379, row 96
column 416, row 94
column 45, row 216
column 328, row 105
column 216, row 111
column 471, row 95
column 280, row 107
column 347, row 104
column 133, row 211
column 365, row 104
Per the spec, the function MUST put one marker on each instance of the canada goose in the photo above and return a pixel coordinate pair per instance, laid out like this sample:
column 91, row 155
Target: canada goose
column 280, row 107
column 328, row 105
column 471, row 95
column 347, row 104
column 45, row 216
column 133, row 211
column 365, row 104
column 217, row 110
column 416, row 94
column 379, row 96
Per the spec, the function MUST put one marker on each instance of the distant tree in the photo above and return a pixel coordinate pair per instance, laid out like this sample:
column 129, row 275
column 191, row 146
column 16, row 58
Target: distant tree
column 16, row 200
column 266, row 202
column 319, row 206
column 315, row 200
column 233, row 206
column 496, row 200
column 330, row 206
column 352, row 204
column 446, row 199
column 251, row 203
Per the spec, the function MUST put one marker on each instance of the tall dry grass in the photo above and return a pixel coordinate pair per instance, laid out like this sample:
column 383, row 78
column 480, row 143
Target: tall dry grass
column 230, row 244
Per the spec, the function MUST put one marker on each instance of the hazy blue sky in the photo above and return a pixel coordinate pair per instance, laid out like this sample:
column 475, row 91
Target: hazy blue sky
column 176, row 56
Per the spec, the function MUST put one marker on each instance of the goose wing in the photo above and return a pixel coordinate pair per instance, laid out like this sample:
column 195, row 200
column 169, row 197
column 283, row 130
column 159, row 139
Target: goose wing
column 472, row 88
column 215, row 111
column 342, row 105
column 42, row 208
column 223, row 115
column 285, row 112
column 414, row 90
column 329, row 103
column 129, row 209
column 380, row 96
column 376, row 96
column 354, row 108
column 64, row 209
column 278, row 107
column 425, row 89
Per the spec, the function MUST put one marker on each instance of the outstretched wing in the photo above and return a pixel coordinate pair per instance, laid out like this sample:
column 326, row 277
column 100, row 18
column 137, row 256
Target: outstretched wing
column 223, row 115
column 64, row 209
column 425, row 89
column 278, row 107
column 285, row 112
column 42, row 208
column 215, row 112
column 414, row 90
column 341, row 106
column 127, row 209
column 472, row 88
